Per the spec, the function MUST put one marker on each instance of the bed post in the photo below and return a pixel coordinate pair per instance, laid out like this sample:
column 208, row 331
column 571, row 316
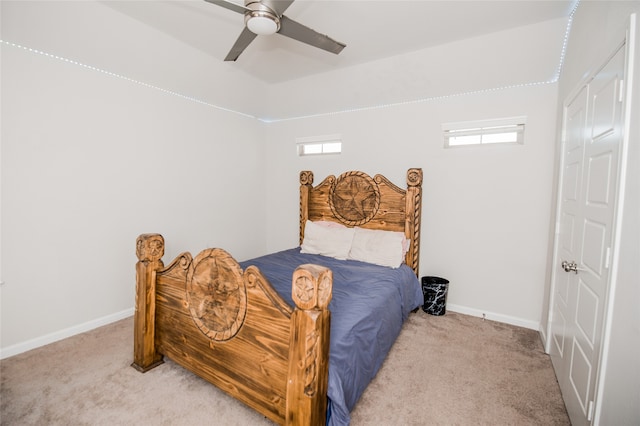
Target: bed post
column 413, row 217
column 306, row 184
column 309, row 346
column 149, row 249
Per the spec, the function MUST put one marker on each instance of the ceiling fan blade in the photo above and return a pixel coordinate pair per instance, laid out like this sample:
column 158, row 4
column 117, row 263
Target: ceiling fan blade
column 296, row 31
column 241, row 43
column 228, row 5
column 279, row 6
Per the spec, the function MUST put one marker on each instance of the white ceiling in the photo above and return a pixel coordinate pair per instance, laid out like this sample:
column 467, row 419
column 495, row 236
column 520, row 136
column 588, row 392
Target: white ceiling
column 371, row 30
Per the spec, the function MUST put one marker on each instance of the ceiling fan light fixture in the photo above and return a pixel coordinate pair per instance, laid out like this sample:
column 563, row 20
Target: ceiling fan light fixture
column 262, row 25
column 262, row 22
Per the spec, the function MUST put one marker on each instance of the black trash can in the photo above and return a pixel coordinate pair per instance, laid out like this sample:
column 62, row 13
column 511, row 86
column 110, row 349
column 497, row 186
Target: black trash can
column 434, row 290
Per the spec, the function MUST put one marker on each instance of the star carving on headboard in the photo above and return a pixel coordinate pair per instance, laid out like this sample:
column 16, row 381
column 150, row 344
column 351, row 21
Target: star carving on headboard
column 354, row 198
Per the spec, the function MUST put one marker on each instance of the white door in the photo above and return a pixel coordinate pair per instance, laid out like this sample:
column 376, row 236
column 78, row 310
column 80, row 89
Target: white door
column 592, row 138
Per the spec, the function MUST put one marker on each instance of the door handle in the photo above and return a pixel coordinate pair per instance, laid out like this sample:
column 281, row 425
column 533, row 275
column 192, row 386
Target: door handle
column 570, row 266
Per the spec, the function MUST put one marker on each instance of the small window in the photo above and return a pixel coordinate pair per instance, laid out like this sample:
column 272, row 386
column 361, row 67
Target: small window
column 319, row 145
column 485, row 132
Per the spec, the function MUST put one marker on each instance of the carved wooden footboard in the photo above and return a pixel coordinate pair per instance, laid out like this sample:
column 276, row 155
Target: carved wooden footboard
column 231, row 328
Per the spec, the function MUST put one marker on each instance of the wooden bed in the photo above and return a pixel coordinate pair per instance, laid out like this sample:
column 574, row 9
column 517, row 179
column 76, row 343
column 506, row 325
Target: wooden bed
column 230, row 327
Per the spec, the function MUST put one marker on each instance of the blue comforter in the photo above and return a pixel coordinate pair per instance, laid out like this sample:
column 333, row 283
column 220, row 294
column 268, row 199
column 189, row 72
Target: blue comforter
column 370, row 303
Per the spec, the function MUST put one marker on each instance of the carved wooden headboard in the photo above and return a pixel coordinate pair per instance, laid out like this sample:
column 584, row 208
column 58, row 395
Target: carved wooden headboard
column 356, row 199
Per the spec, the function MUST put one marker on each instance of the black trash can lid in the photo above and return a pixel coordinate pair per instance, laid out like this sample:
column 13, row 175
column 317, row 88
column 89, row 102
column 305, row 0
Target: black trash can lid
column 434, row 280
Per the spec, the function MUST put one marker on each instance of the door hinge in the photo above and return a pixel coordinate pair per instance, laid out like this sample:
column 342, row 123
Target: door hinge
column 607, row 258
column 621, row 91
column 590, row 411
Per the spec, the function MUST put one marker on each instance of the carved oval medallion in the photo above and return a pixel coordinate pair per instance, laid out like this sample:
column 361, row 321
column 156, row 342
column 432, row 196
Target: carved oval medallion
column 216, row 294
column 354, row 198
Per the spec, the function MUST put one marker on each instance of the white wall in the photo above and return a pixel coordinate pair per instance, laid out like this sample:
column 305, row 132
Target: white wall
column 485, row 209
column 89, row 161
column 596, row 28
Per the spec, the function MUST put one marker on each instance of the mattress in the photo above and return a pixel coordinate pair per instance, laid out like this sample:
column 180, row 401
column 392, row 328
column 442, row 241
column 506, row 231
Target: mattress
column 369, row 305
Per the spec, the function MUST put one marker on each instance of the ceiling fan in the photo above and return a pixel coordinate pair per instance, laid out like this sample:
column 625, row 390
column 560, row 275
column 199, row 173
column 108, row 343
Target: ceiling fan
column 263, row 17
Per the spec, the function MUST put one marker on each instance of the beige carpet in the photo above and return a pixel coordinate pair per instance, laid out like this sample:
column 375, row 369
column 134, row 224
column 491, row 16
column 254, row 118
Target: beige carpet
column 443, row 370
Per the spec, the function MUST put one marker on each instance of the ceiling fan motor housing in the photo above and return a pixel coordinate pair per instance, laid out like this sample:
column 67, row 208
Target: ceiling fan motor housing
column 261, row 19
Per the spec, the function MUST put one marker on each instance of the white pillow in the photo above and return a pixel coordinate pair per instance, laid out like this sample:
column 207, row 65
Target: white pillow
column 329, row 224
column 383, row 248
column 327, row 241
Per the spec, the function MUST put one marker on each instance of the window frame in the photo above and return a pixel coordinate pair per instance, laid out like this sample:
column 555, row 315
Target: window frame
column 324, row 144
column 482, row 129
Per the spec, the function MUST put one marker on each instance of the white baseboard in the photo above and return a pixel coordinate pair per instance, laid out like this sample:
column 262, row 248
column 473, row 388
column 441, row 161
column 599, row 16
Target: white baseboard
column 63, row 334
column 520, row 322
column 81, row 328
